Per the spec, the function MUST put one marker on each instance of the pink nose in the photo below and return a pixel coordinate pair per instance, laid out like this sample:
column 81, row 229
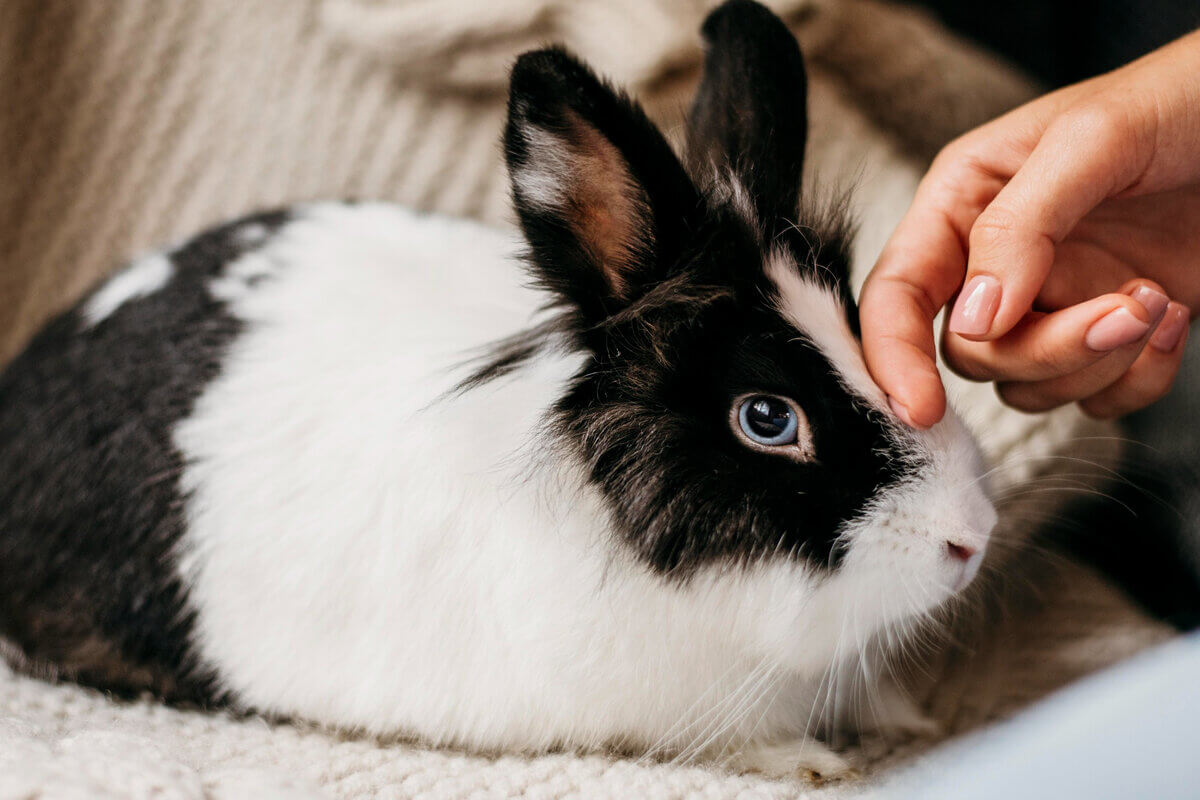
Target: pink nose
column 960, row 551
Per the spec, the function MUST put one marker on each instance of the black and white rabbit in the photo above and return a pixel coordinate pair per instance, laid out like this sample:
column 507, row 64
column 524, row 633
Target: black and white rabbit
column 348, row 463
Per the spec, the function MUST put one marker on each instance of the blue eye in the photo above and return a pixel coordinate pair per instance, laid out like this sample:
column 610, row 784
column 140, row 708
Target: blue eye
column 768, row 420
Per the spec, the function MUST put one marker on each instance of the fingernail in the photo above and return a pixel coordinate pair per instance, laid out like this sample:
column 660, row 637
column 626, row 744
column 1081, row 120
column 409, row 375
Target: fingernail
column 976, row 306
column 1115, row 329
column 1153, row 301
column 901, row 412
column 1171, row 329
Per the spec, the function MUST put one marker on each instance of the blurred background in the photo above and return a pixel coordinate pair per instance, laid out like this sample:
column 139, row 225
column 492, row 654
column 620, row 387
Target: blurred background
column 1061, row 42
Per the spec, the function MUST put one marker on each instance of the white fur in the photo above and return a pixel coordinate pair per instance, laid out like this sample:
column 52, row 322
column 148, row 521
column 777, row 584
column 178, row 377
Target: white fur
column 967, row 517
column 143, row 276
column 539, row 180
column 252, row 234
column 366, row 550
column 820, row 315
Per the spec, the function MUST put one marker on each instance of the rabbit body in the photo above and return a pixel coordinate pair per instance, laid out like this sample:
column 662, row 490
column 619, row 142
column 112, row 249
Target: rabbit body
column 359, row 465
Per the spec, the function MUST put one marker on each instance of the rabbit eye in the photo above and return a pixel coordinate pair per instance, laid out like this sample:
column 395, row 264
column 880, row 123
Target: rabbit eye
column 768, row 420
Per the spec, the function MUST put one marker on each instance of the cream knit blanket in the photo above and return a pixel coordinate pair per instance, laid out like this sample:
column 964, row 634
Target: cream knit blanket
column 128, row 123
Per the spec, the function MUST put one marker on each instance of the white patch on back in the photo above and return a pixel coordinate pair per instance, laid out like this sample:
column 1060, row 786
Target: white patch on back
column 819, row 314
column 241, row 276
column 251, row 234
column 144, row 276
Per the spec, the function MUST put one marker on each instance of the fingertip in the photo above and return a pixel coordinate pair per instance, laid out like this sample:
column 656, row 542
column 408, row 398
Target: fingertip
column 899, row 348
column 900, row 411
column 1147, row 380
column 920, row 407
column 911, row 383
column 930, row 412
column 1172, row 329
column 909, row 378
column 1118, row 328
column 1150, row 295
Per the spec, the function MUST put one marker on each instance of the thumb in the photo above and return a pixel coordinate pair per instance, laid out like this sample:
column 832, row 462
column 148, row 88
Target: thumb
column 1081, row 160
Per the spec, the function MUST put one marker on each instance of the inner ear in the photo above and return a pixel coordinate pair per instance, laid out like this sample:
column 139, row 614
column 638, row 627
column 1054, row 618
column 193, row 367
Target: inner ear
column 606, row 209
column 602, row 199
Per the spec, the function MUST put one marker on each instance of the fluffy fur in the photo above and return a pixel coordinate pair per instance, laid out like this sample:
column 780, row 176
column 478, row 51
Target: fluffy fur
column 398, row 486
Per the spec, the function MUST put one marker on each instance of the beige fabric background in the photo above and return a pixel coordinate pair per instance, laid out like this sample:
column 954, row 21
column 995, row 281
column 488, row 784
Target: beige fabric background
column 125, row 124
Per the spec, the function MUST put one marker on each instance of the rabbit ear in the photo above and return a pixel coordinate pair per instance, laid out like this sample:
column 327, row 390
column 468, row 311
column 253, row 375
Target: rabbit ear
column 602, row 198
column 749, row 120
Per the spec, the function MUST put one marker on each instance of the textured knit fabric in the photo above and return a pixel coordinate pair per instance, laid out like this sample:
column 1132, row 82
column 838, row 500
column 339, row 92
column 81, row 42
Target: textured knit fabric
column 63, row 743
column 126, row 124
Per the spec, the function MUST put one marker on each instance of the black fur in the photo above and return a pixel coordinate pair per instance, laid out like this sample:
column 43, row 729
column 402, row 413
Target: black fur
column 552, row 91
column 749, row 119
column 697, row 324
column 90, row 504
column 749, row 124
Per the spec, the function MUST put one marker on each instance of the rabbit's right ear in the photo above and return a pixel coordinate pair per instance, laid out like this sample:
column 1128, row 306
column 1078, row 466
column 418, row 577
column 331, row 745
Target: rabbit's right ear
column 749, row 120
column 604, row 202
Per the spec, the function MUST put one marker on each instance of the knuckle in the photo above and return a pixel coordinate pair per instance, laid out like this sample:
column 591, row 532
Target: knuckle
column 1100, row 125
column 953, row 152
column 993, row 227
column 945, row 157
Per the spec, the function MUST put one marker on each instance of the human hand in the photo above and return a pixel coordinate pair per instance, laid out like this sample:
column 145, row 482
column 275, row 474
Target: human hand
column 1071, row 225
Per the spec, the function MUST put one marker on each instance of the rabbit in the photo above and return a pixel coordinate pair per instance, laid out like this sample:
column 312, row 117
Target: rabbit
column 621, row 483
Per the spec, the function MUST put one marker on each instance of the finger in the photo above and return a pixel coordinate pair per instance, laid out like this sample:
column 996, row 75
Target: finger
column 897, row 306
column 1012, row 243
column 898, row 346
column 1151, row 375
column 1045, row 346
column 917, row 273
column 1047, row 394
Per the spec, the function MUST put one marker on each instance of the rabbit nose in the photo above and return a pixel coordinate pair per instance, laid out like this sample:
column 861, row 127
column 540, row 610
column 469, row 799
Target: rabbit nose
column 969, row 557
column 960, row 552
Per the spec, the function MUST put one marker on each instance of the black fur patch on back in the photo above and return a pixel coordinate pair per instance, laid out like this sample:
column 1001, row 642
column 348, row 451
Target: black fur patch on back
column 91, row 510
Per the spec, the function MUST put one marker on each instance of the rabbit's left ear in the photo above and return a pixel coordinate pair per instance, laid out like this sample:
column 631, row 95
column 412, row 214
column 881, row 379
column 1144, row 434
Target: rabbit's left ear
column 749, row 121
column 604, row 202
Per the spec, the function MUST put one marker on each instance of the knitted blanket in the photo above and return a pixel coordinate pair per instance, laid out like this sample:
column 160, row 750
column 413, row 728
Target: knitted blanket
column 129, row 123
